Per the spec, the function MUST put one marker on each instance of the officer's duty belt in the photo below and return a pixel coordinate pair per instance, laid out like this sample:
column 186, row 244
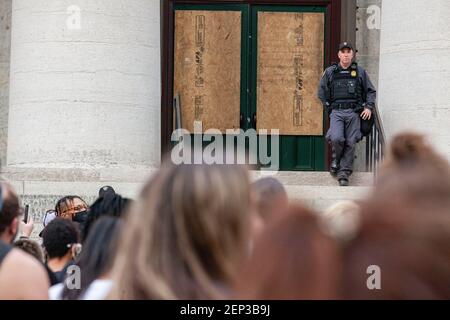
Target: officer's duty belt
column 343, row 106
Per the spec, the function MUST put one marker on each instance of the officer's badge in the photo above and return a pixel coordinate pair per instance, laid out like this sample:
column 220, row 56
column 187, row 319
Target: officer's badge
column 353, row 74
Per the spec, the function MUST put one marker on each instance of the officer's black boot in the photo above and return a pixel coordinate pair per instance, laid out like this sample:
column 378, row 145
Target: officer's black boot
column 334, row 167
column 343, row 178
column 343, row 182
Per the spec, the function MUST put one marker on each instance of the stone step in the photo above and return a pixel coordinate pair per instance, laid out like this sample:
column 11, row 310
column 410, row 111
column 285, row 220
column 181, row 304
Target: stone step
column 321, row 197
column 320, row 190
column 304, row 178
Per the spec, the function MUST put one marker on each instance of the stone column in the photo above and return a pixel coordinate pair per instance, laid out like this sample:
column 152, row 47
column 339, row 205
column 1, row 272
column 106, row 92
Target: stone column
column 85, row 84
column 414, row 79
column 5, row 42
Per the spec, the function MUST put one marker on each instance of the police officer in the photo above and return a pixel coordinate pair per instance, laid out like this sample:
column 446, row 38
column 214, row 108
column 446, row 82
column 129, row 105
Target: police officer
column 348, row 95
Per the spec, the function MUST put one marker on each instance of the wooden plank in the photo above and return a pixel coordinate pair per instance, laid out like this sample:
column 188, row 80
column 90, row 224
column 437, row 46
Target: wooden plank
column 290, row 65
column 207, row 71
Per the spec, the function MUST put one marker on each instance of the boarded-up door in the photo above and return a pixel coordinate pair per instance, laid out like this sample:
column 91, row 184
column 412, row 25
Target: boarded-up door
column 242, row 66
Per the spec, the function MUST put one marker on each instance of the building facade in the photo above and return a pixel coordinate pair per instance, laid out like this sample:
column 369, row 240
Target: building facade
column 86, row 86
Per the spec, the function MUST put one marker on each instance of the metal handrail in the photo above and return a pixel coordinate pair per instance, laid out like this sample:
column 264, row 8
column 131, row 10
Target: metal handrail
column 375, row 144
column 177, row 110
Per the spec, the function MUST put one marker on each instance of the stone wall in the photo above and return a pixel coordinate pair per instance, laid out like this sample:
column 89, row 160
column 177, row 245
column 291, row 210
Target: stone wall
column 368, row 18
column 415, row 69
column 5, row 47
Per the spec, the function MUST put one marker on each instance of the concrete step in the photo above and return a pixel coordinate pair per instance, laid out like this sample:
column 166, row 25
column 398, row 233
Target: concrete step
column 318, row 189
column 305, row 178
column 321, row 197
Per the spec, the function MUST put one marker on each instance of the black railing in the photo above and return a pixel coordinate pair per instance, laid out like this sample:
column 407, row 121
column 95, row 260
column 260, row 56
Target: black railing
column 177, row 111
column 375, row 144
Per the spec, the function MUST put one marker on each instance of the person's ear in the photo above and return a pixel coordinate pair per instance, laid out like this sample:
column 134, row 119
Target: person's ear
column 14, row 227
column 73, row 251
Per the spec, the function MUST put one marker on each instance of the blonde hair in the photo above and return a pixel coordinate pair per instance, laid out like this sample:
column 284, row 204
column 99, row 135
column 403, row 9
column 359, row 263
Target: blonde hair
column 185, row 234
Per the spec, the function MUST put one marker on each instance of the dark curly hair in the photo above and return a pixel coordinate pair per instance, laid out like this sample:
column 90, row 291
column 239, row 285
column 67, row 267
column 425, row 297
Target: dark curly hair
column 57, row 235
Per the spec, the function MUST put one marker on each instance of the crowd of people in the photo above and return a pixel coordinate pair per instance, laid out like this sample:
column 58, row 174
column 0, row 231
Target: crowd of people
column 209, row 232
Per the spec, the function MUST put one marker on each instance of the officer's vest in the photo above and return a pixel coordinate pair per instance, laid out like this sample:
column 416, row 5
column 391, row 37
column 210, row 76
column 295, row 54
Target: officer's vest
column 345, row 85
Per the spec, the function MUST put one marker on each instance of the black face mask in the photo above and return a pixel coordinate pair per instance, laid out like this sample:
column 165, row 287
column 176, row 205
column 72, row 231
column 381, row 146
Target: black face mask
column 80, row 217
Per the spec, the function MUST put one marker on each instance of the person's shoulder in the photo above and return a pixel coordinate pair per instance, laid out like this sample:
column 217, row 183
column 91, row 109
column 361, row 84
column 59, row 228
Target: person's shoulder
column 329, row 70
column 332, row 67
column 361, row 70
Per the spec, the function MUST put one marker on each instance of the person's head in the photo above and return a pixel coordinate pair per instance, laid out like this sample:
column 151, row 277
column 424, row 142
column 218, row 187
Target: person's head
column 271, row 198
column 106, row 190
column 405, row 228
column 341, row 220
column 70, row 207
column 110, row 204
column 60, row 237
column 345, row 53
column 185, row 234
column 414, row 173
column 98, row 252
column 409, row 151
column 31, row 247
column 403, row 245
column 293, row 259
column 9, row 213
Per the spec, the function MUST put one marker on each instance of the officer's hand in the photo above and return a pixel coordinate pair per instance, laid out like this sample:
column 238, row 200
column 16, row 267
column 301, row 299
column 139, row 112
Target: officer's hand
column 366, row 114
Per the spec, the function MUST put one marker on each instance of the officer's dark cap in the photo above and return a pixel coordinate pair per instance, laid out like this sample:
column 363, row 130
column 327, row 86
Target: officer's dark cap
column 344, row 45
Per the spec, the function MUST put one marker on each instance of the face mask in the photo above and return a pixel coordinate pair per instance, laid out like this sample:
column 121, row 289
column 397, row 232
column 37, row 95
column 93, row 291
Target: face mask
column 80, row 217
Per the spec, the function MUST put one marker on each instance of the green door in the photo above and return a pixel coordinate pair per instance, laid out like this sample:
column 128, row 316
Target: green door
column 272, row 72
column 280, row 56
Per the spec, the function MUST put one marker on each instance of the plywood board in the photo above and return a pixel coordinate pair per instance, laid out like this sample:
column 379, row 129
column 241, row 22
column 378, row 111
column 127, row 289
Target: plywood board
column 207, row 71
column 290, row 65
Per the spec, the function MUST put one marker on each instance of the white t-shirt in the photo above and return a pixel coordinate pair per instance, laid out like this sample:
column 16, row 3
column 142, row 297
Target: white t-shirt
column 98, row 290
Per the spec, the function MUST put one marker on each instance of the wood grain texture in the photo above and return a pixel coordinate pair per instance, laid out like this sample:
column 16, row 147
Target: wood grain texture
column 290, row 65
column 207, row 72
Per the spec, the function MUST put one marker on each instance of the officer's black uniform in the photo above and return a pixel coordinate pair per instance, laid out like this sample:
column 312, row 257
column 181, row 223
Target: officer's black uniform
column 344, row 94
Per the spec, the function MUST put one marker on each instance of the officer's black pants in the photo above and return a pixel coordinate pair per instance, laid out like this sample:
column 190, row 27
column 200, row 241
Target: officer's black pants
column 343, row 135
